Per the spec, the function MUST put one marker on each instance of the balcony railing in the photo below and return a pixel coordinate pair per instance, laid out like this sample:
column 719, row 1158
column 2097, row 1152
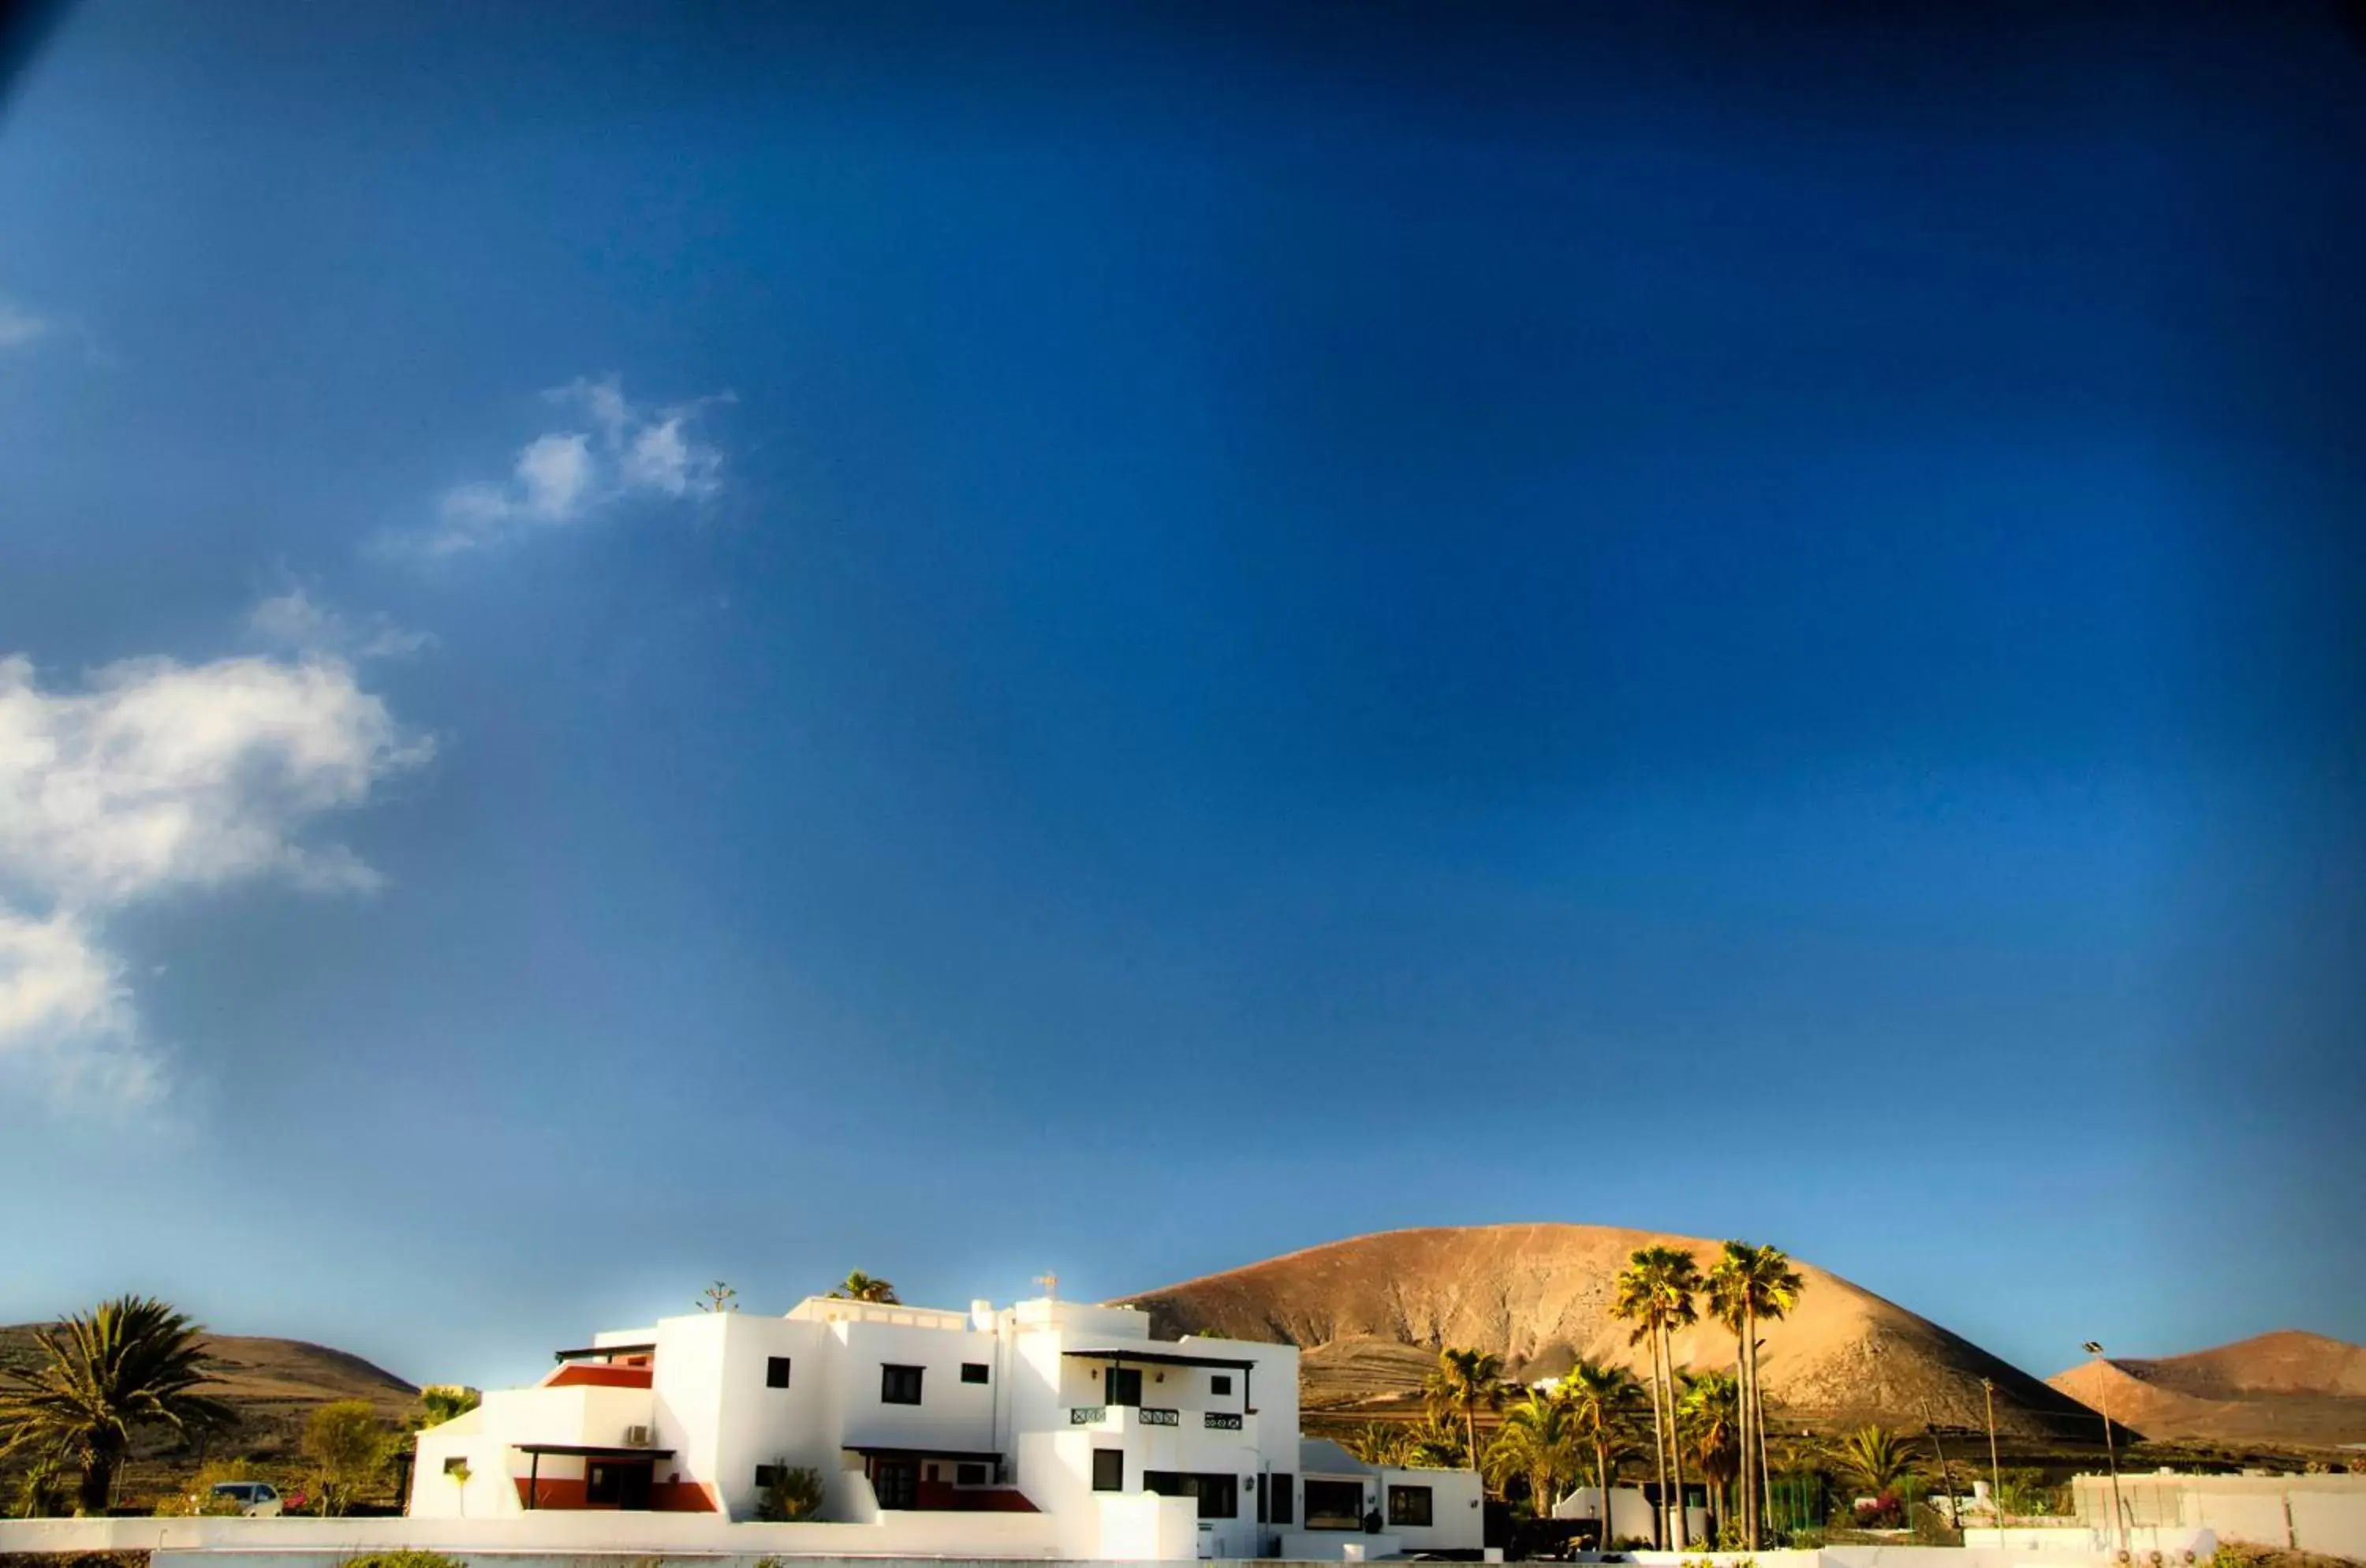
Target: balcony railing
column 1116, row 1417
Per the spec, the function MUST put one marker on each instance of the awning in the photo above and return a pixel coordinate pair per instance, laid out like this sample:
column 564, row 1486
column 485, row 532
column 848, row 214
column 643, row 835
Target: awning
column 1162, row 1359
column 872, row 1450
column 588, row 1351
column 591, row 1450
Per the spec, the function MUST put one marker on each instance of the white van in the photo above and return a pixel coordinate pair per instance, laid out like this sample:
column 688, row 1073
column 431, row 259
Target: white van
column 255, row 1500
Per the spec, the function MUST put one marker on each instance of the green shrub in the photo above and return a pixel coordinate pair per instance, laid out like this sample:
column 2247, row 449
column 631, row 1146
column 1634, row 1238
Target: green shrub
column 794, row 1492
column 405, row 1558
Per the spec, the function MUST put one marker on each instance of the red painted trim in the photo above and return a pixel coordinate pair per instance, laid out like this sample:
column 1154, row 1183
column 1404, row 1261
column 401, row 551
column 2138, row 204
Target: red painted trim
column 560, row 1493
column 598, row 1374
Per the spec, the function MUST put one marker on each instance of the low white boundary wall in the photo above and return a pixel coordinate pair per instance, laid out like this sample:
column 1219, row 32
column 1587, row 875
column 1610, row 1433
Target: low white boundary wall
column 600, row 1539
column 276, row 1543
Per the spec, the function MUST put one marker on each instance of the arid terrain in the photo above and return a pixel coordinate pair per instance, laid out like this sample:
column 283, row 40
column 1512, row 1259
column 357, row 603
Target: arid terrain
column 2287, row 1388
column 1370, row 1313
column 273, row 1384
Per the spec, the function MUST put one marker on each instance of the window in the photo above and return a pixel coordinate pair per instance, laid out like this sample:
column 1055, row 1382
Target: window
column 1335, row 1505
column 1280, row 1502
column 969, row 1476
column 1109, row 1470
column 455, row 1465
column 1222, row 1382
column 896, row 1481
column 1409, row 1506
column 972, row 1371
column 1124, row 1387
column 764, row 1474
column 776, row 1371
column 1219, row 1495
column 898, row 1385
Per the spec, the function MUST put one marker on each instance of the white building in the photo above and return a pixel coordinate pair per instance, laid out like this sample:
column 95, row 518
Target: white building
column 1120, row 1445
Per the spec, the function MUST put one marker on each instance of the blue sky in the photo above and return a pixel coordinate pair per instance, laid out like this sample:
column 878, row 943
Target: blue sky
column 650, row 646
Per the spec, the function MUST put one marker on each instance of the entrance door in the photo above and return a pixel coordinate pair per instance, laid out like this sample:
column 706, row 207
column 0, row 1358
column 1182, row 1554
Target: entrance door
column 896, row 1482
column 618, row 1483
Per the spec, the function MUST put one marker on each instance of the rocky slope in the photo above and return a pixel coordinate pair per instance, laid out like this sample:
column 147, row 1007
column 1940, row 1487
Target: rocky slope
column 273, row 1383
column 2286, row 1388
column 1371, row 1311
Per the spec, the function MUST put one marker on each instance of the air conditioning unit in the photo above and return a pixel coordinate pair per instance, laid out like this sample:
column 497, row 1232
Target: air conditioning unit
column 638, row 1437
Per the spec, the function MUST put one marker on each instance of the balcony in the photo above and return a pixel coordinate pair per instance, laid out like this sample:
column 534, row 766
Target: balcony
column 1231, row 1424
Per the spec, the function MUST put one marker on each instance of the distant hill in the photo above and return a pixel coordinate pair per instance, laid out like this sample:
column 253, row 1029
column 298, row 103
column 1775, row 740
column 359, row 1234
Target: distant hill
column 1370, row 1313
column 273, row 1383
column 2287, row 1388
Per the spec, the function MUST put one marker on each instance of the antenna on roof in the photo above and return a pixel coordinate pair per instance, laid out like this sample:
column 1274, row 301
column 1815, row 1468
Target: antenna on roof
column 1051, row 1284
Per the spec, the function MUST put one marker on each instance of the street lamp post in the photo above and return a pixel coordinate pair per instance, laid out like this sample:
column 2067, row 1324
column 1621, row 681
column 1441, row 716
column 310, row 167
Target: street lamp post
column 2111, row 1457
column 1996, row 1476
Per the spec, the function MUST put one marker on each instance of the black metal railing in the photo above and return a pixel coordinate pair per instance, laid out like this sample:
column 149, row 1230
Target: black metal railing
column 1154, row 1417
column 1220, row 1421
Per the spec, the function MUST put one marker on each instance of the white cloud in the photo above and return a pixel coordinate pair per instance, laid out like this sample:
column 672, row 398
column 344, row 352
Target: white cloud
column 296, row 621
column 20, row 326
column 154, row 778
column 66, row 1019
column 630, row 452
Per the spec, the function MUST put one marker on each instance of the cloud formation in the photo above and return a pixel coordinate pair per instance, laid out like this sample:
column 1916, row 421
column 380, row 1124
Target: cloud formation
column 155, row 778
column 297, row 623
column 621, row 451
column 20, row 326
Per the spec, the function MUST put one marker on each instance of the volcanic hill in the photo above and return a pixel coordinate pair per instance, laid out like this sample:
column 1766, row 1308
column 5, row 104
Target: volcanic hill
column 1370, row 1313
column 2287, row 1388
column 272, row 1384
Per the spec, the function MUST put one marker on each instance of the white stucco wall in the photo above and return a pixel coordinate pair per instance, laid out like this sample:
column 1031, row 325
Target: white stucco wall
column 1458, row 1517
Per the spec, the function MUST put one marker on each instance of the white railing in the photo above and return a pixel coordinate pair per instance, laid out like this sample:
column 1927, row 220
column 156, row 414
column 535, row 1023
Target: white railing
column 822, row 1309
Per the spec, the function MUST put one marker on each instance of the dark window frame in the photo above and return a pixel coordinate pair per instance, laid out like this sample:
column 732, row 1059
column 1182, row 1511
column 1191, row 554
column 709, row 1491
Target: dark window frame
column 1220, row 1383
column 1114, row 1459
column 971, row 1472
column 906, row 1492
column 1422, row 1515
column 1129, row 1380
column 898, row 1383
column 1330, row 1491
column 776, row 1371
column 1280, row 1499
column 1218, row 1496
column 973, row 1371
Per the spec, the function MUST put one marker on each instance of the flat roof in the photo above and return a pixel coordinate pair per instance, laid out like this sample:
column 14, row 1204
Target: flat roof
column 1162, row 1359
column 591, row 1450
column 586, row 1352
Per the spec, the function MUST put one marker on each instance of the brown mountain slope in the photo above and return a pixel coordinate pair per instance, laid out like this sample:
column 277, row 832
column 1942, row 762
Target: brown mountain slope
column 1371, row 1311
column 2281, row 1388
column 273, row 1383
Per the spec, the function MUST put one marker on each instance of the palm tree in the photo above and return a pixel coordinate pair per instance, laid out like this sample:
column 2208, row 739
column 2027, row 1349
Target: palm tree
column 1389, row 1444
column 1539, row 1440
column 1463, row 1383
column 127, row 1364
column 1875, row 1458
column 1603, row 1400
column 1749, row 1285
column 1709, row 1414
column 861, row 1286
column 1655, row 1294
column 1432, row 1444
